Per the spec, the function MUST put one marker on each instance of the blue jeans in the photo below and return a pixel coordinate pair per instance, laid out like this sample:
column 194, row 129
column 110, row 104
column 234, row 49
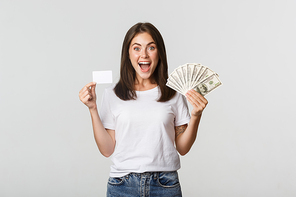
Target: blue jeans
column 148, row 184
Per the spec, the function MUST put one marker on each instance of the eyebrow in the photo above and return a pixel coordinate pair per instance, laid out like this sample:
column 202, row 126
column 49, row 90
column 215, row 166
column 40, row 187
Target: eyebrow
column 141, row 45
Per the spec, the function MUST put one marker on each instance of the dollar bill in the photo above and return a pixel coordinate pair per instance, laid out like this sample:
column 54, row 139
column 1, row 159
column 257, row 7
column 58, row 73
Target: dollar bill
column 183, row 70
column 207, row 72
column 175, row 78
column 180, row 76
column 189, row 69
column 173, row 86
column 208, row 84
column 195, row 72
column 193, row 76
column 173, row 83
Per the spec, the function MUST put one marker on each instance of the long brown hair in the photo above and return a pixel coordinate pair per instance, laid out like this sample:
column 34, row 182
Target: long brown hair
column 124, row 89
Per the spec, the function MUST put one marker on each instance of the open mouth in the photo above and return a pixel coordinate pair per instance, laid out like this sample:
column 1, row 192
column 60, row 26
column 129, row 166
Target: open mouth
column 144, row 66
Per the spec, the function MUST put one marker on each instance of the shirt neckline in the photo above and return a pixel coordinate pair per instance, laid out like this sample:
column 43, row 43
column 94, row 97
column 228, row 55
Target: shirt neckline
column 147, row 91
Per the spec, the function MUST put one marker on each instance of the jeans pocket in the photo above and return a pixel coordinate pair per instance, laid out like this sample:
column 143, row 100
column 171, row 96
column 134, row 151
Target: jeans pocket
column 115, row 180
column 168, row 179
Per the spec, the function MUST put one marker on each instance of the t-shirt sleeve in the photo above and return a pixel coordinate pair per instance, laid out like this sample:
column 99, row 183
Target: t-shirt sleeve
column 106, row 115
column 182, row 115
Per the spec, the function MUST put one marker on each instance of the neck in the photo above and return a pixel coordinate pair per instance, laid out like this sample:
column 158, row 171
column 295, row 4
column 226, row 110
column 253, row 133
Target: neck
column 144, row 84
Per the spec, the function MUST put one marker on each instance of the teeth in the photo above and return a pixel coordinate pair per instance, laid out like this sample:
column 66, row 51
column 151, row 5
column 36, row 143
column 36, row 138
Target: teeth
column 144, row 62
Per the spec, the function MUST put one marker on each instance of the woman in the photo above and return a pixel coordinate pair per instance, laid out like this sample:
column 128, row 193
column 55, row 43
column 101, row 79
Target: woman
column 142, row 122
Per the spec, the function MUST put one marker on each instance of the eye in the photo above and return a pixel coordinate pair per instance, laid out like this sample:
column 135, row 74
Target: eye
column 151, row 48
column 137, row 49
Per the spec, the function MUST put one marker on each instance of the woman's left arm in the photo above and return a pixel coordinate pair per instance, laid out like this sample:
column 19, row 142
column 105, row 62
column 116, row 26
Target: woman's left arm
column 186, row 134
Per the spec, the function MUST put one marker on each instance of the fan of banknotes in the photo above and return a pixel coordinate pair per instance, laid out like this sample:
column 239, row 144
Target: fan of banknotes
column 193, row 76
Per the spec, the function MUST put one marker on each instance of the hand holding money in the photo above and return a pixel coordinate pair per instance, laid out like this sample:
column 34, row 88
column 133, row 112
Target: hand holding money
column 193, row 76
column 197, row 101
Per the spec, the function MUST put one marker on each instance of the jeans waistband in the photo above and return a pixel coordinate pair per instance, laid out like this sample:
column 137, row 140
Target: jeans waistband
column 147, row 174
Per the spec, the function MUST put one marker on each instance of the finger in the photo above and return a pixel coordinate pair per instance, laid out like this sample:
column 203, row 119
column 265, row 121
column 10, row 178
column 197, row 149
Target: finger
column 85, row 94
column 197, row 107
column 198, row 96
column 90, row 84
column 86, row 99
column 93, row 90
column 89, row 97
column 82, row 92
column 194, row 97
column 190, row 100
column 193, row 101
column 196, row 102
column 87, row 86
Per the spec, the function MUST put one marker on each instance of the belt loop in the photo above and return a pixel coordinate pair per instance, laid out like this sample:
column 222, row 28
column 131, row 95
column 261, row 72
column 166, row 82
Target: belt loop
column 155, row 175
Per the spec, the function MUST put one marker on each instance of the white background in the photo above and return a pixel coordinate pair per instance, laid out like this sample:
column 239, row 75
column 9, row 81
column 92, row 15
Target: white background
column 48, row 50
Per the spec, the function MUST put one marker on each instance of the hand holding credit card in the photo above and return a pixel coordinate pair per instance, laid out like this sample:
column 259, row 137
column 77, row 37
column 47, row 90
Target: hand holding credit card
column 102, row 77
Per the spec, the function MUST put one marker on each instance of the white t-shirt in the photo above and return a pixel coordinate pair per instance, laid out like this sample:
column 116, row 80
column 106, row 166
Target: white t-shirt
column 144, row 131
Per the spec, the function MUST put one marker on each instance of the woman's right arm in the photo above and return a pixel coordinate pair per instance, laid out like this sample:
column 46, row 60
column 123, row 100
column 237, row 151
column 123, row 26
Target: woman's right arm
column 105, row 138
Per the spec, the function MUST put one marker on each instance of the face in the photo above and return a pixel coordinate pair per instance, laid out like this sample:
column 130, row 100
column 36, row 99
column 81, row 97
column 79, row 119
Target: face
column 143, row 55
column 203, row 88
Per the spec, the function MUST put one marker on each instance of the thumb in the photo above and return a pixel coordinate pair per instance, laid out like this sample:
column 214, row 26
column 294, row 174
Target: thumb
column 93, row 89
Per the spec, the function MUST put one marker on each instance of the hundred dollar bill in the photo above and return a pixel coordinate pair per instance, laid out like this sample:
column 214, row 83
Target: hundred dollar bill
column 173, row 86
column 175, row 83
column 180, row 76
column 184, row 75
column 174, row 76
column 196, row 79
column 188, row 75
column 208, row 84
column 208, row 72
column 195, row 69
column 193, row 76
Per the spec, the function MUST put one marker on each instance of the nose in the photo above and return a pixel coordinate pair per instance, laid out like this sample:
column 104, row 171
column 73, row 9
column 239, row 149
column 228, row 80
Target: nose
column 144, row 54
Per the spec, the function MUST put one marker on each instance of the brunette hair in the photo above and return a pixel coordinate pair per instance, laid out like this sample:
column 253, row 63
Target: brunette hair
column 124, row 89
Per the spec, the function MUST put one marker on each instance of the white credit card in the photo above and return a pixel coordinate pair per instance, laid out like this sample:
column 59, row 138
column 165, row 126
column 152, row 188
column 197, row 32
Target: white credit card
column 101, row 77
